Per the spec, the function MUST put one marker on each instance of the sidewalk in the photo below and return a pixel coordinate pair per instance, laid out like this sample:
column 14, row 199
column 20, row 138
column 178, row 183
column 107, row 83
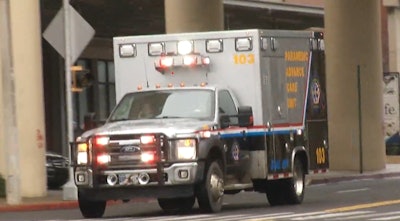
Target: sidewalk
column 54, row 198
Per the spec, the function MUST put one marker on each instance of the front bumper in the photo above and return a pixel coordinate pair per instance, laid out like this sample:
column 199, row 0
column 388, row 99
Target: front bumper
column 131, row 192
column 176, row 174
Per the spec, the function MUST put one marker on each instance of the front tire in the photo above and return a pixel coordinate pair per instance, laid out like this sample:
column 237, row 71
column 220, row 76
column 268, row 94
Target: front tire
column 211, row 191
column 176, row 205
column 90, row 208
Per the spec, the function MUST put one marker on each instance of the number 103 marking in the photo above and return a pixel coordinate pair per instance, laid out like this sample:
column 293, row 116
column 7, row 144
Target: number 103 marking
column 243, row 58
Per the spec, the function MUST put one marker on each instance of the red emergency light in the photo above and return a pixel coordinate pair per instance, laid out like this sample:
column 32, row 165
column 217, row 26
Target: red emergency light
column 167, row 62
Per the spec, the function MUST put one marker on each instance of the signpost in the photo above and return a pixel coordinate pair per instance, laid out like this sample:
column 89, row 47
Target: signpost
column 69, row 34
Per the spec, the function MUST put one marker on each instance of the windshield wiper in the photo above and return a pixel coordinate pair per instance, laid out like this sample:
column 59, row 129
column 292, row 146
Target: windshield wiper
column 167, row 116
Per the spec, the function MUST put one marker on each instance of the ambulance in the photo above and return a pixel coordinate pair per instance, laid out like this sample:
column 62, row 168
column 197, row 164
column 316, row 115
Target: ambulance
column 202, row 115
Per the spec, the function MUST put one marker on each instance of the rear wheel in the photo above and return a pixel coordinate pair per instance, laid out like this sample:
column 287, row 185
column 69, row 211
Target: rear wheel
column 275, row 192
column 211, row 191
column 287, row 191
column 295, row 185
column 176, row 205
column 91, row 208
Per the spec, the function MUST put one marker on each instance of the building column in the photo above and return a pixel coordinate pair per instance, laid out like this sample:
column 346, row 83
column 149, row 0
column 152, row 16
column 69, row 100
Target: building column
column 29, row 101
column 394, row 37
column 353, row 39
column 194, row 15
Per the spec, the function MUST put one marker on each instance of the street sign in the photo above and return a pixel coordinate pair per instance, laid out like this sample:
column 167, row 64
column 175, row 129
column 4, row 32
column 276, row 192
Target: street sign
column 81, row 33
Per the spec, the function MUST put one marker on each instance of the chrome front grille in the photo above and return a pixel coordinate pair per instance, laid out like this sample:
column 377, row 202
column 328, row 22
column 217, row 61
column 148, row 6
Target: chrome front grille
column 125, row 150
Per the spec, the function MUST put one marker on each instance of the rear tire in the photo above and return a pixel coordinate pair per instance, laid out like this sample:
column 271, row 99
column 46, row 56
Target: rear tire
column 275, row 192
column 176, row 205
column 296, row 184
column 90, row 208
column 287, row 191
column 211, row 191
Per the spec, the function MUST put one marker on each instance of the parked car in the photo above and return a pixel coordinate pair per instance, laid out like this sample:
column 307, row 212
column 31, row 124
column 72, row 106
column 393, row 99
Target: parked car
column 57, row 168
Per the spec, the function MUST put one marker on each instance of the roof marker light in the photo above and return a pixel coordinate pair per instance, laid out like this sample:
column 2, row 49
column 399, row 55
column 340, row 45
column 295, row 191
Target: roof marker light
column 182, row 84
column 156, row 49
column 264, row 43
column 127, row 50
column 139, row 87
column 321, row 44
column 158, row 86
column 214, row 46
column 170, row 85
column 243, row 44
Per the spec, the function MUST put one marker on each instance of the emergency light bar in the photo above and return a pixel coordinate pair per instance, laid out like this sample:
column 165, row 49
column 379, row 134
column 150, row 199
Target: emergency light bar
column 174, row 61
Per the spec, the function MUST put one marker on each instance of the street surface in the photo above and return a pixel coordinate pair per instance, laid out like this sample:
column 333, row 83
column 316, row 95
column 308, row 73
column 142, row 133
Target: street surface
column 376, row 199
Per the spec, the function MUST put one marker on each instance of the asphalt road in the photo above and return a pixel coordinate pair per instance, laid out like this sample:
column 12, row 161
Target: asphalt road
column 374, row 199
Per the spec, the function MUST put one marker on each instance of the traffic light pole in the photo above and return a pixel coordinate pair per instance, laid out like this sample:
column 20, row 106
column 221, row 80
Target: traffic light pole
column 70, row 191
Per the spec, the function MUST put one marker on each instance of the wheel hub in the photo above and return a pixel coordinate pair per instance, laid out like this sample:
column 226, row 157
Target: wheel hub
column 298, row 181
column 216, row 187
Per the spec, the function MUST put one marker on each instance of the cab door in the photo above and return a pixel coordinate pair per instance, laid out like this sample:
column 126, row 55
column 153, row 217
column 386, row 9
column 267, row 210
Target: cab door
column 235, row 144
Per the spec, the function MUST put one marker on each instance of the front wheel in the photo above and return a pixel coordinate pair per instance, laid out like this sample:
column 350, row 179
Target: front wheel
column 211, row 191
column 176, row 205
column 90, row 208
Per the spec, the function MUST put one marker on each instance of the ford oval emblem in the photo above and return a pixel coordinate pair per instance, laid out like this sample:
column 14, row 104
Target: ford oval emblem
column 130, row 149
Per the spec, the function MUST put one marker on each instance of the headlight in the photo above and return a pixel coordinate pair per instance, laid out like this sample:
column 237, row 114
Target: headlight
column 82, row 156
column 186, row 149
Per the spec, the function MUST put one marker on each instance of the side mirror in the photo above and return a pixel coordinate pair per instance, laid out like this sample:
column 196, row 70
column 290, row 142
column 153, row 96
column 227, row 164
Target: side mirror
column 224, row 121
column 245, row 115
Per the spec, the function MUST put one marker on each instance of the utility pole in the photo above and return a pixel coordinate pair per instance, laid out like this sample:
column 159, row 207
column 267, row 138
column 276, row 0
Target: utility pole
column 10, row 143
column 69, row 189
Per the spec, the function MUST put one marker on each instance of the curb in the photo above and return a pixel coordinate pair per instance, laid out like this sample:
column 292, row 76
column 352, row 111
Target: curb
column 352, row 177
column 39, row 206
column 59, row 205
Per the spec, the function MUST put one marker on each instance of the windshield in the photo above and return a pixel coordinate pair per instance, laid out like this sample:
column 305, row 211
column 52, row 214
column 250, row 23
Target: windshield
column 197, row 104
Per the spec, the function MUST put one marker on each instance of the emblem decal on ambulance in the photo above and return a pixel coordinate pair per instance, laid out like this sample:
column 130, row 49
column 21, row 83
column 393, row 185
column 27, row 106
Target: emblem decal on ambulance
column 315, row 91
column 235, row 151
